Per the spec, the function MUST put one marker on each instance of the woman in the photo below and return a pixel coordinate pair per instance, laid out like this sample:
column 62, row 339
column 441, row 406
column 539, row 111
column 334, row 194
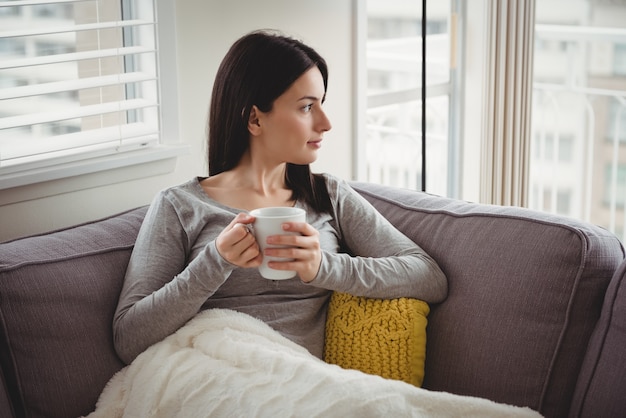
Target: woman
column 194, row 252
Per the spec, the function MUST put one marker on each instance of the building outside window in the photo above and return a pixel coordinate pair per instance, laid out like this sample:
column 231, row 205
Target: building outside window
column 580, row 94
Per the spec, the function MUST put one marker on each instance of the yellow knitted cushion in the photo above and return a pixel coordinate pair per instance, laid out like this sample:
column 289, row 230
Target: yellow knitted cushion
column 376, row 336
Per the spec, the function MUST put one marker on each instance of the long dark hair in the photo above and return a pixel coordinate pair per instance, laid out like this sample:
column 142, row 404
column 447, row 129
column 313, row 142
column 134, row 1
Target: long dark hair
column 257, row 69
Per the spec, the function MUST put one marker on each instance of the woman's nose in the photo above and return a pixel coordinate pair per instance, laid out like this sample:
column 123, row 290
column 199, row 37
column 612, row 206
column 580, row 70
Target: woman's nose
column 323, row 122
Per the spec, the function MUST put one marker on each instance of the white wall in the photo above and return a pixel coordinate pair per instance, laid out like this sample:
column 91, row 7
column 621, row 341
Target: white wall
column 205, row 30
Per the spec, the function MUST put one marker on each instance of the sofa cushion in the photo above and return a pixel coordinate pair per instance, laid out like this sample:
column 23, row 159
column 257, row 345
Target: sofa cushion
column 386, row 337
column 600, row 390
column 58, row 293
column 525, row 292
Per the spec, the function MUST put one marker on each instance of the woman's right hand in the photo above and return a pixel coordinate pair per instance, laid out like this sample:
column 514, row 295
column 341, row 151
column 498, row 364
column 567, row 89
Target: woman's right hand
column 237, row 245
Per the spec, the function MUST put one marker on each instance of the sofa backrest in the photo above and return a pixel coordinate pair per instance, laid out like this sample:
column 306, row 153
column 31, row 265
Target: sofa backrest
column 58, row 293
column 525, row 293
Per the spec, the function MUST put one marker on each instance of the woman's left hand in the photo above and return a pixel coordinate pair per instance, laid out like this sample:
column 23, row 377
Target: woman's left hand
column 304, row 250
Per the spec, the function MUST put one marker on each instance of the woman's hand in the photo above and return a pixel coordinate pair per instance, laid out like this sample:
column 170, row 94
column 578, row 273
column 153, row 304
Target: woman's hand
column 304, row 250
column 237, row 245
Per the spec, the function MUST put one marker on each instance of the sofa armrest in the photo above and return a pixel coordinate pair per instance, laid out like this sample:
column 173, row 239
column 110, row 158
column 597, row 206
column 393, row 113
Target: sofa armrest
column 6, row 408
column 600, row 389
column 58, row 296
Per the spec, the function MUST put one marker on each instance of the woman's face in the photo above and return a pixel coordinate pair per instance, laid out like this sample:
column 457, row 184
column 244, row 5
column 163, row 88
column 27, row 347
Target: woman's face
column 294, row 129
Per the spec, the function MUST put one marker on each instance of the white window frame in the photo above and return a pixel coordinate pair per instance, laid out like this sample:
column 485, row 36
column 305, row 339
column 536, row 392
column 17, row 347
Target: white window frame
column 154, row 160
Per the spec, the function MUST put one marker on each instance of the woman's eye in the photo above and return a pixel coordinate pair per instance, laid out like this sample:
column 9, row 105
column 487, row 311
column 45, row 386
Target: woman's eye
column 308, row 107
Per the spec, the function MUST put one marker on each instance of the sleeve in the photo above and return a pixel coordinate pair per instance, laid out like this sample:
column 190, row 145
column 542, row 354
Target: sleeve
column 381, row 261
column 161, row 292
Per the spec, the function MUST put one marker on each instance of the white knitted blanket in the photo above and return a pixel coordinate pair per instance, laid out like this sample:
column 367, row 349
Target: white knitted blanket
column 228, row 364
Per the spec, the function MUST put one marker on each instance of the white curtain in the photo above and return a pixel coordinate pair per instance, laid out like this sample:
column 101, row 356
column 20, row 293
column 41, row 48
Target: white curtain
column 508, row 98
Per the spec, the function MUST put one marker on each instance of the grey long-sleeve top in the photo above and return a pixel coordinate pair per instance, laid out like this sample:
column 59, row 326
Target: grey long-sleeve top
column 175, row 270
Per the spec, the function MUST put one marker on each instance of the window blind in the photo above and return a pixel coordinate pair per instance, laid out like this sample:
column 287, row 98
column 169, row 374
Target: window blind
column 78, row 79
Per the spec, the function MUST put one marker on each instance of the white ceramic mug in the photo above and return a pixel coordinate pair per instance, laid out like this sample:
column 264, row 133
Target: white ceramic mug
column 268, row 221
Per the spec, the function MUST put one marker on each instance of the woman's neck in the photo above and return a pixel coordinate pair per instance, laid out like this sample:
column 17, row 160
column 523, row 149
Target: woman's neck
column 249, row 186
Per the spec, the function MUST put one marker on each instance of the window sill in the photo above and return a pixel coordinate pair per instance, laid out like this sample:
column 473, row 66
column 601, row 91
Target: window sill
column 62, row 178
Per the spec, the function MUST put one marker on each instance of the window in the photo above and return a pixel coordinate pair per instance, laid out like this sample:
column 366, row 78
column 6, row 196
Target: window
column 616, row 129
column 79, row 87
column 547, row 148
column 560, row 198
column 615, row 178
column 393, row 138
column 619, row 60
column 498, row 130
column 578, row 95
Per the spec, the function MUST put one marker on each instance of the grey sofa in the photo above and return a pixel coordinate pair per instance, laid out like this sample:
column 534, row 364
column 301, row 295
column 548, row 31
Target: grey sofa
column 536, row 312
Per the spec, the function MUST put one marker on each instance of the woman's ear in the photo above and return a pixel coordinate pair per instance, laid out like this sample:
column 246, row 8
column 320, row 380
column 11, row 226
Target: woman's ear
column 254, row 125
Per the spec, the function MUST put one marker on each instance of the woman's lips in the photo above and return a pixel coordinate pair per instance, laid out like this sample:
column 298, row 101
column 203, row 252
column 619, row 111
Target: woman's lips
column 315, row 143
